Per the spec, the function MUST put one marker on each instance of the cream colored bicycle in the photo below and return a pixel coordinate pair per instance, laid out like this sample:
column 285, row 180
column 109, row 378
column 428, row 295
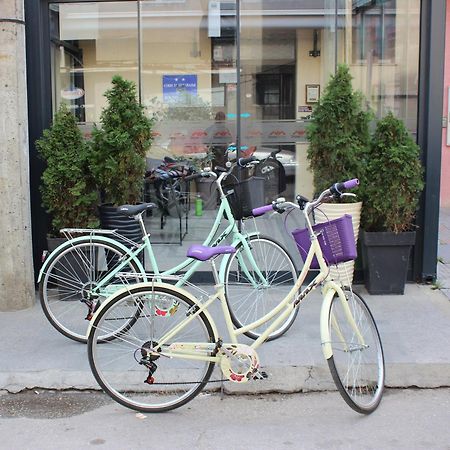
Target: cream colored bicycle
column 157, row 363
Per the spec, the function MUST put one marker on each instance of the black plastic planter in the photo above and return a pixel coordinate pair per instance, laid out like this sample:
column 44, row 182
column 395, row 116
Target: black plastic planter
column 385, row 261
column 110, row 219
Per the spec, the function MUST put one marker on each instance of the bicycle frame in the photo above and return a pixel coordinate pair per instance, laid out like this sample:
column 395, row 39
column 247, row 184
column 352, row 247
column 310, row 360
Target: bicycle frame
column 187, row 332
column 283, row 310
column 238, row 238
column 146, row 246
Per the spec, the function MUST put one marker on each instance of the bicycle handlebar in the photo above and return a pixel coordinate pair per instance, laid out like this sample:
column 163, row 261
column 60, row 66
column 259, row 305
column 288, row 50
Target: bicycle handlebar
column 202, row 174
column 262, row 210
column 279, row 204
column 338, row 188
column 194, row 176
column 351, row 183
column 244, row 161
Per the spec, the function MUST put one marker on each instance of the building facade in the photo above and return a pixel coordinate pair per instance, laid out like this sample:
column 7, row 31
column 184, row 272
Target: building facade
column 261, row 65
column 445, row 163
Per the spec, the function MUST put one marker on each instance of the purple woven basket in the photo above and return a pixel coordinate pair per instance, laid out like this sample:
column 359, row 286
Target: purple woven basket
column 336, row 239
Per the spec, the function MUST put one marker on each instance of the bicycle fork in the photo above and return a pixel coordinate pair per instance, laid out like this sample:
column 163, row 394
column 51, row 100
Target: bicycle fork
column 330, row 290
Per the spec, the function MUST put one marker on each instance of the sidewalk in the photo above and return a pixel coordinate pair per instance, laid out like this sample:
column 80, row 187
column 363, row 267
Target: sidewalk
column 414, row 328
column 415, row 331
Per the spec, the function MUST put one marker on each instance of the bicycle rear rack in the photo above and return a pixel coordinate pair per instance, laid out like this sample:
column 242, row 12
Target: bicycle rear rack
column 70, row 233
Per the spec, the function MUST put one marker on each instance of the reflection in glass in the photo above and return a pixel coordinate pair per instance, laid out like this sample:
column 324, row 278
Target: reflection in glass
column 383, row 52
column 90, row 43
column 183, row 56
column 189, row 77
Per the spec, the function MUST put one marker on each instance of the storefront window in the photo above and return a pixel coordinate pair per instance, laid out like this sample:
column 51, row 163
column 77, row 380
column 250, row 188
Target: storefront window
column 287, row 54
column 188, row 78
column 382, row 48
column 194, row 79
column 90, row 43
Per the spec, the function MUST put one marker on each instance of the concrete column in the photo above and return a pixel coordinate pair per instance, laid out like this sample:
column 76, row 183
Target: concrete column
column 16, row 267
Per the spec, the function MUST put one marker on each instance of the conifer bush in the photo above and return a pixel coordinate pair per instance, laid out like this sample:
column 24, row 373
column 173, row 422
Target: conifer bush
column 394, row 178
column 338, row 133
column 68, row 190
column 120, row 144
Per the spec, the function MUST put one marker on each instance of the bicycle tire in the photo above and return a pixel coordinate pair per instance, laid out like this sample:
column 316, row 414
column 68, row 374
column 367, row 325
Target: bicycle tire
column 73, row 270
column 173, row 198
column 357, row 370
column 247, row 303
column 117, row 365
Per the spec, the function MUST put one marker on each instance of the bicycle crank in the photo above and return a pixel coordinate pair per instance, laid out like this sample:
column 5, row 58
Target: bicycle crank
column 239, row 362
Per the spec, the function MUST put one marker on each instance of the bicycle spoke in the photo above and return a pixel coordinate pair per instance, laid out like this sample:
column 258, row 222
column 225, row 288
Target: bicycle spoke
column 69, row 286
column 120, row 365
column 357, row 362
column 248, row 297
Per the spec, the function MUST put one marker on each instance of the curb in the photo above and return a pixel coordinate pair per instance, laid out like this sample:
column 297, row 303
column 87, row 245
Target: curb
column 288, row 379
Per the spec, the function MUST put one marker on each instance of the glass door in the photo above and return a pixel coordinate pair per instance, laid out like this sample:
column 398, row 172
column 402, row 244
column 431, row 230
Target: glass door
column 188, row 78
column 287, row 54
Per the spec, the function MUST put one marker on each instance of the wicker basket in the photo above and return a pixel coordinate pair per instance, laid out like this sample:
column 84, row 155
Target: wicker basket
column 336, row 239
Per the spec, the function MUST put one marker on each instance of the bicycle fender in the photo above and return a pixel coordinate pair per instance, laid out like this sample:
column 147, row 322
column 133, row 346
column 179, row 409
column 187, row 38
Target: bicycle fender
column 81, row 239
column 166, row 286
column 225, row 258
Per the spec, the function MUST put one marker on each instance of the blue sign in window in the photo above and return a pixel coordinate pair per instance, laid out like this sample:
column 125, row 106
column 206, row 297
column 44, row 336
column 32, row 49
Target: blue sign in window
column 178, row 88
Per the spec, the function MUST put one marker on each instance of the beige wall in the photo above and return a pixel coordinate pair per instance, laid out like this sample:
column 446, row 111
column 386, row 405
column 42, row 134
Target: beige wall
column 308, row 71
column 164, row 53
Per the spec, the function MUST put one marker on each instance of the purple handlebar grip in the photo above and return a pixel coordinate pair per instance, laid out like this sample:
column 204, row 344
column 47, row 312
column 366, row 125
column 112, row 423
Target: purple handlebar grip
column 351, row 183
column 262, row 210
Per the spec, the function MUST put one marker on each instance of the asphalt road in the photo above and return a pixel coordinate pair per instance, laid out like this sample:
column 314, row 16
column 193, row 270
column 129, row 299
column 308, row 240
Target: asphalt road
column 406, row 419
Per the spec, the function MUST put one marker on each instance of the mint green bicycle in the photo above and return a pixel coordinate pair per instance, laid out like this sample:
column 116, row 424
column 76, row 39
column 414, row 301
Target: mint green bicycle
column 81, row 273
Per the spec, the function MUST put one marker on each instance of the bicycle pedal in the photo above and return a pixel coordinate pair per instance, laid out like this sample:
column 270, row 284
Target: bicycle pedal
column 261, row 375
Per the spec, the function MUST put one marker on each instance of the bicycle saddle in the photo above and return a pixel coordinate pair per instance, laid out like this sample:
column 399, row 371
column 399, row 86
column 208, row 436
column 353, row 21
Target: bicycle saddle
column 203, row 253
column 134, row 210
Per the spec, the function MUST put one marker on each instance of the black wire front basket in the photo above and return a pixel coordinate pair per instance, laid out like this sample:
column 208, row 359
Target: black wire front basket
column 244, row 196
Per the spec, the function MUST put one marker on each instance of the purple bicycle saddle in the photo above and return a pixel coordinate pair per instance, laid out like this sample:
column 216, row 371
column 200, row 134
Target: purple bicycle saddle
column 203, row 253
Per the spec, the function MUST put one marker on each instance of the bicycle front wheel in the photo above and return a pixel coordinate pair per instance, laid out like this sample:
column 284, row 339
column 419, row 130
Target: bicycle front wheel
column 127, row 368
column 250, row 296
column 74, row 283
column 357, row 361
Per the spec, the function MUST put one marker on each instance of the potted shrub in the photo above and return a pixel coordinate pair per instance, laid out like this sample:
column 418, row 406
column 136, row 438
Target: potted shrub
column 68, row 189
column 118, row 155
column 338, row 144
column 394, row 182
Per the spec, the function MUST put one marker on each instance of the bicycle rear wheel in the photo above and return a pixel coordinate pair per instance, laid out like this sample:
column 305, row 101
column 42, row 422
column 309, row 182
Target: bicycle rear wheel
column 248, row 297
column 357, row 361
column 174, row 196
column 67, row 286
column 125, row 368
